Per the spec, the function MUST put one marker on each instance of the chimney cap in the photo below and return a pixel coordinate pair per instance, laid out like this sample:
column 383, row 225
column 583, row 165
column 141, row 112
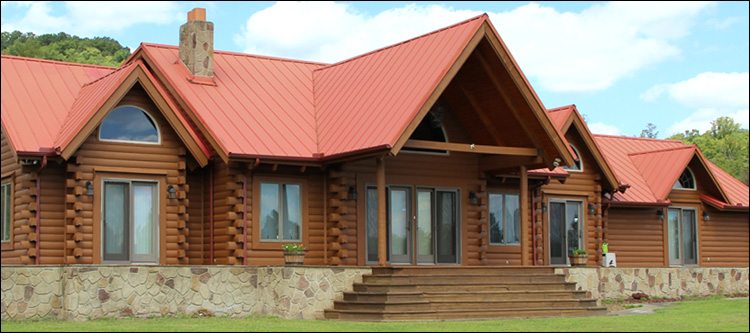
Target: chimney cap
column 197, row 14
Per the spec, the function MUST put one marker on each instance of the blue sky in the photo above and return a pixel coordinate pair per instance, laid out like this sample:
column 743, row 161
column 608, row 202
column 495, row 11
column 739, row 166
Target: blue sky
column 677, row 65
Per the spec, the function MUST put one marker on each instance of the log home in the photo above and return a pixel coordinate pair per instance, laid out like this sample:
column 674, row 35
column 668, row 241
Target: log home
column 433, row 151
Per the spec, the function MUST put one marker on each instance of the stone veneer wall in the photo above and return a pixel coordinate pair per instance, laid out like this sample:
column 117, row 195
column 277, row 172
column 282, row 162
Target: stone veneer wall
column 617, row 283
column 89, row 292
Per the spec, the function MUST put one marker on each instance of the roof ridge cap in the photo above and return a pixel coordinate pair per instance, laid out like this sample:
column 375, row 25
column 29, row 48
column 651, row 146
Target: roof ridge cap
column 249, row 55
column 662, row 150
column 403, row 42
column 561, row 108
column 635, row 138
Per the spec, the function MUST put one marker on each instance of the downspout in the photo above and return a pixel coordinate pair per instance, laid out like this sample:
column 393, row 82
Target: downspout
column 211, row 213
column 39, row 206
column 533, row 216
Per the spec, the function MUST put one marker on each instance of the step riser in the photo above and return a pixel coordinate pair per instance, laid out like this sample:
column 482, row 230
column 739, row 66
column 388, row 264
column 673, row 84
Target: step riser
column 482, row 306
column 464, row 288
column 460, row 271
column 469, row 315
column 464, row 297
column 471, row 279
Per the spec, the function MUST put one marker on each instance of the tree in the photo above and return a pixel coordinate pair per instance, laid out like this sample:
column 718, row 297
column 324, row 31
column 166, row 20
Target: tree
column 649, row 132
column 64, row 47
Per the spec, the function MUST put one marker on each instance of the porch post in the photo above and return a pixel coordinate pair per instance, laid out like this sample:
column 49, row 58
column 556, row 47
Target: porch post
column 380, row 175
column 524, row 216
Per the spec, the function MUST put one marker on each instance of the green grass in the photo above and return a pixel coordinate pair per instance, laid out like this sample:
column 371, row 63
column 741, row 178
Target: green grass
column 709, row 315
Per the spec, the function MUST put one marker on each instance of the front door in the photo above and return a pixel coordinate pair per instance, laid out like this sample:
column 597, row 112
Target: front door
column 683, row 241
column 422, row 225
column 565, row 230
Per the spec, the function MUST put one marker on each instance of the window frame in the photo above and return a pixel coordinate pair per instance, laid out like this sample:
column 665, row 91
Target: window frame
column 579, row 161
column 692, row 176
column 505, row 227
column 8, row 244
column 156, row 228
column 148, row 114
column 270, row 244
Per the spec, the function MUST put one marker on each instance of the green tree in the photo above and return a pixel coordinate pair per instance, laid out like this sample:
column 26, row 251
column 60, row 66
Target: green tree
column 64, row 47
column 649, row 132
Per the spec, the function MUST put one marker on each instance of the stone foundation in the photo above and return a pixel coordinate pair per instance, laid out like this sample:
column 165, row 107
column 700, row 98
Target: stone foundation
column 617, row 283
column 89, row 292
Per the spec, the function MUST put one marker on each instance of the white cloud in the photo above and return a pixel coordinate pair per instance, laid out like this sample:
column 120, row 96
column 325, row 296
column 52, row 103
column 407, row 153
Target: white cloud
column 91, row 18
column 712, row 95
column 567, row 52
column 701, row 120
column 602, row 128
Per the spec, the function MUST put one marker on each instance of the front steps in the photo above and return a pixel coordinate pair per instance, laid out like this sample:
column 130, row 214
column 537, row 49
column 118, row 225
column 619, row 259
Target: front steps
column 460, row 293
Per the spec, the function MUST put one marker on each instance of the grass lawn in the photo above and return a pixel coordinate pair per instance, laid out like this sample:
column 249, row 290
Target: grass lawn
column 717, row 315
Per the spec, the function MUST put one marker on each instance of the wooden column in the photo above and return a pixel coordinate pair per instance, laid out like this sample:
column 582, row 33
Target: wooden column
column 524, row 216
column 380, row 174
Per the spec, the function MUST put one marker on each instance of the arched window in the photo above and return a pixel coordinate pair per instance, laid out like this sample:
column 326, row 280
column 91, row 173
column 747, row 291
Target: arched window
column 129, row 124
column 686, row 181
column 578, row 165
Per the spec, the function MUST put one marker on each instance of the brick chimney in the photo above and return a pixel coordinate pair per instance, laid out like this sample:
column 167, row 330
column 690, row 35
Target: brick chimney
column 197, row 43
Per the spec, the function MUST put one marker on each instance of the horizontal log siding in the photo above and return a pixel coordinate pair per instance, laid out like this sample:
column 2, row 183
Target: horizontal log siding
column 52, row 216
column 583, row 185
column 19, row 244
column 724, row 241
column 197, row 224
column 167, row 159
column 636, row 236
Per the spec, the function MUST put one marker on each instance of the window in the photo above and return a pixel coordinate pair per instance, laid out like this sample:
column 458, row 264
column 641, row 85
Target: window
column 686, row 181
column 5, row 207
column 129, row 124
column 682, row 237
column 505, row 219
column 280, row 211
column 577, row 166
column 130, row 221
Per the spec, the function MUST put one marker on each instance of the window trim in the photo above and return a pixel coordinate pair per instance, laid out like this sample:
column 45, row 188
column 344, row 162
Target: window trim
column 692, row 175
column 257, row 242
column 148, row 114
column 489, row 227
column 8, row 244
column 580, row 161
column 157, row 236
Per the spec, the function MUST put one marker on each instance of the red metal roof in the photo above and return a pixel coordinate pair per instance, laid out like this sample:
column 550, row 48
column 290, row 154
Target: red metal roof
column 661, row 168
column 737, row 192
column 368, row 101
column 257, row 106
column 37, row 96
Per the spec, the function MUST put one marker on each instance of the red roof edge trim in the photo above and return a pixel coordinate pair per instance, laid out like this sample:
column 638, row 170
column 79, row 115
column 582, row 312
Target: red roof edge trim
column 720, row 205
column 637, row 204
column 485, row 16
column 317, row 157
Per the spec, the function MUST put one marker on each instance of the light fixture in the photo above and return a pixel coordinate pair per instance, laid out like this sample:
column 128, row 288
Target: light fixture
column 592, row 209
column 172, row 192
column 89, row 188
column 352, row 193
column 706, row 217
column 473, row 198
column 660, row 214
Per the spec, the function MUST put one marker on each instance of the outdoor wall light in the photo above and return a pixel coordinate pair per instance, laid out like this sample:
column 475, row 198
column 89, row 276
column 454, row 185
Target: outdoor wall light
column 706, row 217
column 592, row 209
column 473, row 198
column 660, row 214
column 89, row 188
column 352, row 193
column 172, row 192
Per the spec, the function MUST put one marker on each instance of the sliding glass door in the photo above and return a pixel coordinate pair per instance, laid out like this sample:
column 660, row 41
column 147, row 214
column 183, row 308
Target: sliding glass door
column 129, row 221
column 682, row 237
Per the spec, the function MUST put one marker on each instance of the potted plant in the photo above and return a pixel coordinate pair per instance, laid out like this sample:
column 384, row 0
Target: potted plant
column 579, row 257
column 294, row 254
